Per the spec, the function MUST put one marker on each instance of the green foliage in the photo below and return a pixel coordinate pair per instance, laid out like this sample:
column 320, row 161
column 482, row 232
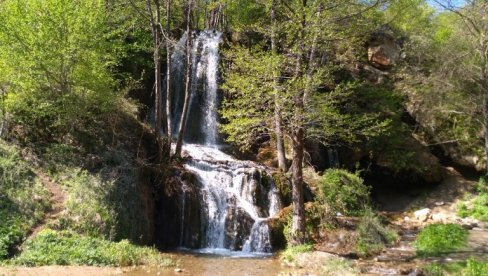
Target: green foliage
column 87, row 203
column 291, row 251
column 437, row 239
column 23, row 199
column 476, row 208
column 65, row 52
column 470, row 267
column 104, row 204
column 475, row 268
column 373, row 236
column 51, row 247
column 344, row 192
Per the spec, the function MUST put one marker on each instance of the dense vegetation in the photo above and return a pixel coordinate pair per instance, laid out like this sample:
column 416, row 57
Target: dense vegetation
column 83, row 105
column 67, row 248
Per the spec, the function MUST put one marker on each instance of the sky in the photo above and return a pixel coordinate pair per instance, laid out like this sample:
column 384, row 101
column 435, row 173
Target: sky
column 457, row 3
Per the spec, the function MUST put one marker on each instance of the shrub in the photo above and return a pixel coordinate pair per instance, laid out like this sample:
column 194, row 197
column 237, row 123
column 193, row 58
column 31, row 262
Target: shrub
column 51, row 247
column 345, row 192
column 437, row 239
column 373, row 235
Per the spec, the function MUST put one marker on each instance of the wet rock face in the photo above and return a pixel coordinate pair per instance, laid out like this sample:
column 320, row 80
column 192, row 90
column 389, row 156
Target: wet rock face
column 237, row 227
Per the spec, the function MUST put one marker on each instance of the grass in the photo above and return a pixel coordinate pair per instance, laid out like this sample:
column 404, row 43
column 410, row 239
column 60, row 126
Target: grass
column 291, row 251
column 50, row 247
column 339, row 267
column 438, row 239
column 23, row 199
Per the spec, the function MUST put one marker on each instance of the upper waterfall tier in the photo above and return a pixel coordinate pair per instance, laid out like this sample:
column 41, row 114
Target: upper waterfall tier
column 202, row 125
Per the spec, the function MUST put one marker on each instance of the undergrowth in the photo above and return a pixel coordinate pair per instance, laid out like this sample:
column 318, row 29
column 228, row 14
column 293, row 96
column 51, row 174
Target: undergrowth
column 373, row 236
column 23, row 199
column 50, row 247
column 477, row 206
column 471, row 267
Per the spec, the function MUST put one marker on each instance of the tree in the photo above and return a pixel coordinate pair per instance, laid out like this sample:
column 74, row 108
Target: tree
column 169, row 79
column 51, row 88
column 188, row 77
column 308, row 31
column 157, row 35
column 473, row 16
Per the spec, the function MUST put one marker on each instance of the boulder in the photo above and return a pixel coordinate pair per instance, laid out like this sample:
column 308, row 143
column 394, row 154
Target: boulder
column 423, row 215
column 383, row 50
column 439, row 217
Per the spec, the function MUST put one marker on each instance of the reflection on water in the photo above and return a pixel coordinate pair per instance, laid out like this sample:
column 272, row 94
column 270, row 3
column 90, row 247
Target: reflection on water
column 210, row 264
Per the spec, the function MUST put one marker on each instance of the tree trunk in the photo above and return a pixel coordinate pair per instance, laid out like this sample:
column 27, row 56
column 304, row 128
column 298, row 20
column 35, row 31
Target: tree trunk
column 169, row 83
column 485, row 124
column 298, row 233
column 157, row 66
column 184, row 116
column 280, row 144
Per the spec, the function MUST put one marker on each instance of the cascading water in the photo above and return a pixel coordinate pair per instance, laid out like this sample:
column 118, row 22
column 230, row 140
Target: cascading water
column 236, row 198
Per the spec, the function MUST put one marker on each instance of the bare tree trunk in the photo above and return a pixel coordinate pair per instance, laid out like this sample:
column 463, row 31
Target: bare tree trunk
column 157, row 65
column 280, row 144
column 184, row 116
column 169, row 81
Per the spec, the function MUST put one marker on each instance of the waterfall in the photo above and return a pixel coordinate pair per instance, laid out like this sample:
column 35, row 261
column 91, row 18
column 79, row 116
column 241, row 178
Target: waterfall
column 237, row 198
column 202, row 121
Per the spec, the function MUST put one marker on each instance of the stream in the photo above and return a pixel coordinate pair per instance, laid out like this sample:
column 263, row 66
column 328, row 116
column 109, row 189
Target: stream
column 207, row 264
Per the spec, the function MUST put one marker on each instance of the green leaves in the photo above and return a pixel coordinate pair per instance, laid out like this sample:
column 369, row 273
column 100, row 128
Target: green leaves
column 56, row 57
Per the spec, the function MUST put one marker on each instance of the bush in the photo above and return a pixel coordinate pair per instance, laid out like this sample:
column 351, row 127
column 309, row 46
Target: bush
column 373, row 236
column 51, row 247
column 437, row 239
column 344, row 192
